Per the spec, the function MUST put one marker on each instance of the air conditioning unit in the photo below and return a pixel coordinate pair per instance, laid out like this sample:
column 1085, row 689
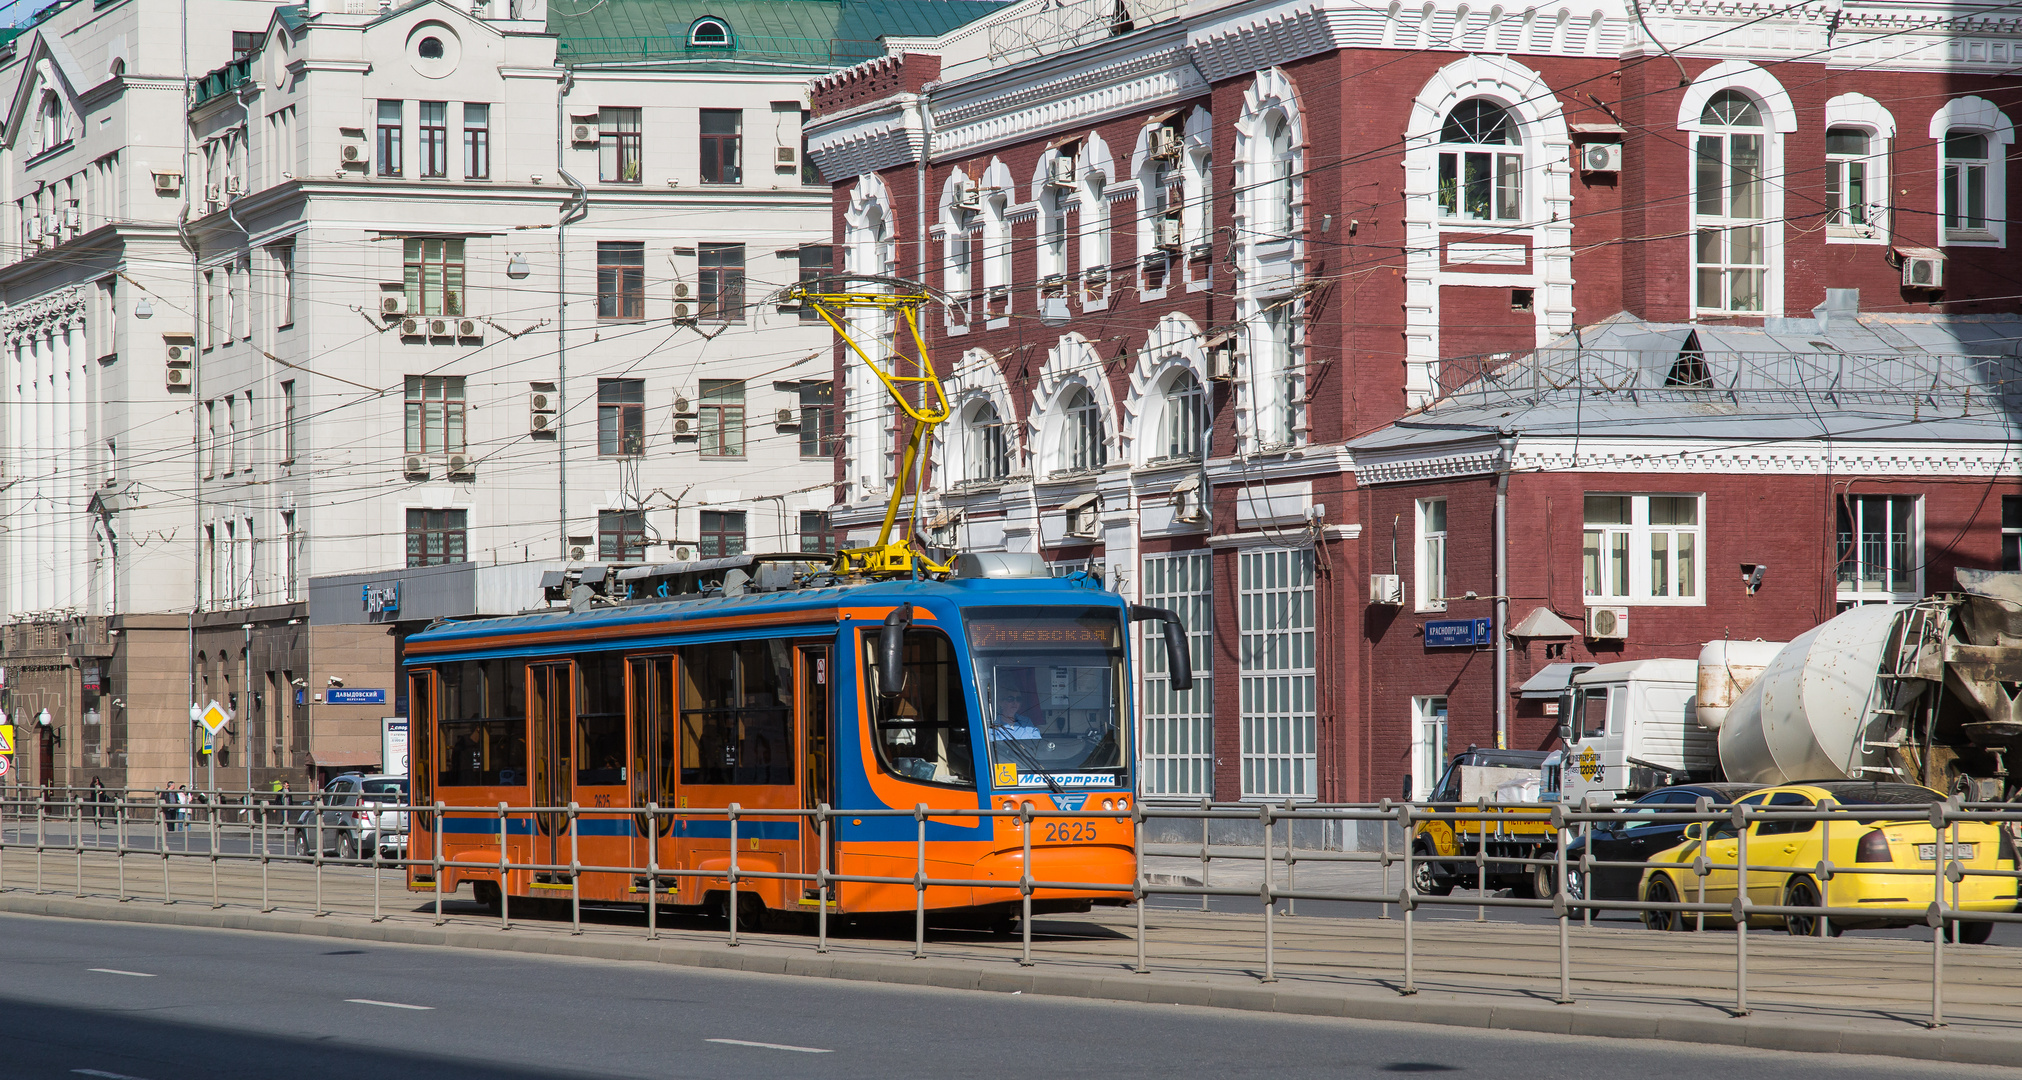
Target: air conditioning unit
column 1084, row 520
column 410, row 328
column 440, row 327
column 541, row 423
column 683, row 427
column 1222, row 362
column 177, row 378
column 682, row 312
column 393, row 305
column 541, row 401
column 469, row 328
column 969, row 201
column 681, row 290
column 1062, row 174
column 52, row 223
column 683, row 406
column 1923, row 268
column 1387, row 589
column 354, row 153
column 416, row 466
column 786, row 418
column 459, row 465
column 168, row 183
column 681, row 553
column 581, row 132
column 214, row 194
column 785, row 157
column 1601, row 157
column 1165, row 142
column 1168, row 230
column 234, row 186
column 576, row 553
column 1607, row 623
column 35, row 229
column 181, row 354
column 73, row 217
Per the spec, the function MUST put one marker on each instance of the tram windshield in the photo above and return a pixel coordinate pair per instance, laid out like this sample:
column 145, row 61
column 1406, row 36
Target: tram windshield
column 1052, row 687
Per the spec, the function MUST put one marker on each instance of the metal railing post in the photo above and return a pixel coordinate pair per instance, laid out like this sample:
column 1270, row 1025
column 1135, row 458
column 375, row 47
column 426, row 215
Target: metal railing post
column 1701, row 866
column 1291, row 866
column 434, row 854
column 162, row 833
column 505, row 921
column 77, row 841
column 1480, row 866
column 266, row 853
column 1270, row 902
column 1937, row 915
column 1025, row 878
column 41, row 838
column 1740, row 911
column 575, row 875
column 1825, row 874
column 377, row 916
column 211, row 819
column 1137, row 883
column 1564, row 913
column 1384, row 889
column 821, row 881
column 1206, row 806
column 119, row 844
column 652, row 871
column 316, row 808
column 731, row 909
column 920, row 884
column 1408, row 897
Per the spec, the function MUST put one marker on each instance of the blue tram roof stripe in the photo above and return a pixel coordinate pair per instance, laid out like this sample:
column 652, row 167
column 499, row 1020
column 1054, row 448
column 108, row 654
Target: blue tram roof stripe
column 473, row 634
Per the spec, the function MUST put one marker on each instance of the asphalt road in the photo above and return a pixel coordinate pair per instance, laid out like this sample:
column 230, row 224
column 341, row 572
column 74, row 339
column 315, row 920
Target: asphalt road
column 124, row 1002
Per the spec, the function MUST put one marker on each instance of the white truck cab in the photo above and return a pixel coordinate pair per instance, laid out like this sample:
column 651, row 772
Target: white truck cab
column 1631, row 727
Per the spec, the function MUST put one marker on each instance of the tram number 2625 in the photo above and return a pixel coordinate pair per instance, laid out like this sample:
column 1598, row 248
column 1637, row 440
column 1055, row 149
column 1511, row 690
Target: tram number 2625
column 1065, row 831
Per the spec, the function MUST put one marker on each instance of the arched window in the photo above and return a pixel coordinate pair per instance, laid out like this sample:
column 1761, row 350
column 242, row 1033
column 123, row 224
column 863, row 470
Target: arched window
column 1730, row 237
column 1183, row 418
column 1054, row 197
column 710, row 33
column 1848, row 151
column 1965, row 183
column 50, row 121
column 1082, row 442
column 1973, row 136
column 1481, row 163
column 1274, row 197
column 986, row 443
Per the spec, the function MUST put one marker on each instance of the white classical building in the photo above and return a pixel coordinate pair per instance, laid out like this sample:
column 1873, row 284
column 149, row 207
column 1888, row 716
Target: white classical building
column 423, row 293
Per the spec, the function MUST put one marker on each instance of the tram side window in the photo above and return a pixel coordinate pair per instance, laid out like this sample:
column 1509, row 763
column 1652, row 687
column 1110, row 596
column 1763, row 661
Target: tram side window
column 421, row 713
column 923, row 731
column 484, row 724
column 736, row 723
column 600, row 721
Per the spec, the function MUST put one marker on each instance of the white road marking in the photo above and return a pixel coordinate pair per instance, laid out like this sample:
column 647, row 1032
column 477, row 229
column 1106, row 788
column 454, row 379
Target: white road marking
column 771, row 1046
column 116, row 971
column 104, row 1075
column 390, row 1004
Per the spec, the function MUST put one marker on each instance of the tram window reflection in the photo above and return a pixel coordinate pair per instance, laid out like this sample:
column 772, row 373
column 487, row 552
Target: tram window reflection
column 483, row 731
column 600, row 721
column 736, row 722
column 923, row 731
column 1053, row 685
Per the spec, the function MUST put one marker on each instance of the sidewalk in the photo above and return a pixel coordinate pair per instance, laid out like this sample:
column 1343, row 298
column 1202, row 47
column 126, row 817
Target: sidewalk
column 1850, row 995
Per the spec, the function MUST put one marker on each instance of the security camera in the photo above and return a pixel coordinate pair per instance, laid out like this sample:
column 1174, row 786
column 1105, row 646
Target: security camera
column 299, row 682
column 1751, row 576
column 336, row 680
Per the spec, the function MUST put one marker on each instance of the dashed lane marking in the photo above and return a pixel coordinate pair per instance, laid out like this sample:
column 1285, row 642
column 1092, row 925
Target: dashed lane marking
column 771, row 1046
column 103, row 1075
column 390, row 1004
column 116, row 971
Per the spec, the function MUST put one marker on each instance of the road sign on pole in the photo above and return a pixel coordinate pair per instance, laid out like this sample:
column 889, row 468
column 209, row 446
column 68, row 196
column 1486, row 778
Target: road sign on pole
column 214, row 717
column 6, row 738
column 5, row 764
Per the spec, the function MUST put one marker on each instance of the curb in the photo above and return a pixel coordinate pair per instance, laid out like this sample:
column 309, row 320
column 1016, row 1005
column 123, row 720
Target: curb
column 1905, row 1042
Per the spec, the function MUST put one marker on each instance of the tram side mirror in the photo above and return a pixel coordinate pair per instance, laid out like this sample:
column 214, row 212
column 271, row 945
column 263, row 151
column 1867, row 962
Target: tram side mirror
column 1179, row 663
column 892, row 651
column 1566, row 717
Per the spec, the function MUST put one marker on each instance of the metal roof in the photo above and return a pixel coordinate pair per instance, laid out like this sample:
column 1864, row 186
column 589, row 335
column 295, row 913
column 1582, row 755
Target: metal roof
column 1841, row 375
column 765, row 34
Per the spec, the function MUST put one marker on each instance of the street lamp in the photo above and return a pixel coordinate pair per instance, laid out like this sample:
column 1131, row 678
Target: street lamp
column 42, row 721
column 143, row 310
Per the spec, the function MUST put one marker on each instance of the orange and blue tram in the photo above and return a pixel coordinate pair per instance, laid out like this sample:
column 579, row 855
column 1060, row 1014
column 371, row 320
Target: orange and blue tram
column 995, row 687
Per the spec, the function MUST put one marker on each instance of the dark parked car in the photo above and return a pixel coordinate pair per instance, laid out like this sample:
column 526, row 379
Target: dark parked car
column 1633, row 838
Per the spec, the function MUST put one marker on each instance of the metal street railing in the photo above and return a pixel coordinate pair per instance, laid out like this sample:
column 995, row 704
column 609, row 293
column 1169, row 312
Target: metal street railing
column 77, row 825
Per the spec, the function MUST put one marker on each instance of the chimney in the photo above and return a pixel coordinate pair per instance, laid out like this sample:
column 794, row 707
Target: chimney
column 1839, row 304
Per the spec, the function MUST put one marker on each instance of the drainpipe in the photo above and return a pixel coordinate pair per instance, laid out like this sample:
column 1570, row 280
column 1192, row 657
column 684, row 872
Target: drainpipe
column 196, row 404
column 577, row 208
column 1505, row 453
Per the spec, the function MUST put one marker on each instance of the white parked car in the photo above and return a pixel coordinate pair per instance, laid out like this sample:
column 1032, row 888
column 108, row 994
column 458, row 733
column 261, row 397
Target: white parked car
column 360, row 813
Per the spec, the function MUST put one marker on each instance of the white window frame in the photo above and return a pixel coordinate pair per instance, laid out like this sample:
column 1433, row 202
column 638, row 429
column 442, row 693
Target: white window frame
column 1182, row 418
column 1178, row 742
column 1274, row 209
column 1858, row 508
column 1429, row 557
column 1862, row 113
column 1639, row 532
column 1429, row 742
column 1084, row 431
column 1977, row 116
column 1726, row 222
column 1280, row 721
column 984, row 462
column 1276, row 383
column 1779, row 119
column 1503, row 157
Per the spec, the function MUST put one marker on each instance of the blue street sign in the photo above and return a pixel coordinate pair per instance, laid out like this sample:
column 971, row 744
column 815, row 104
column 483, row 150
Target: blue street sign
column 355, row 697
column 1459, row 633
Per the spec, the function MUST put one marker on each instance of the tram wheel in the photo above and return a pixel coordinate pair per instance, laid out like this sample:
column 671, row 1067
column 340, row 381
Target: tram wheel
column 751, row 912
column 486, row 893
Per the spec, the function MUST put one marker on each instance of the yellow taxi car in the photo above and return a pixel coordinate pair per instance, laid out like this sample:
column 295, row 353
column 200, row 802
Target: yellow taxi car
column 1788, row 853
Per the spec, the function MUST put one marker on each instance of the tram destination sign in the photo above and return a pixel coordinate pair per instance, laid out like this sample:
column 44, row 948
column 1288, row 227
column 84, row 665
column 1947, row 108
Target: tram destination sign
column 1014, row 633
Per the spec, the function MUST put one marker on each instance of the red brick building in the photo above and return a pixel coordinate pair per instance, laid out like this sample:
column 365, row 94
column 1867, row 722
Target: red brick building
column 1242, row 290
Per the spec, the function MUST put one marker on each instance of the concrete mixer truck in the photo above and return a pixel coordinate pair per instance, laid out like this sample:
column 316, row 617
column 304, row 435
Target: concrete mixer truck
column 1923, row 693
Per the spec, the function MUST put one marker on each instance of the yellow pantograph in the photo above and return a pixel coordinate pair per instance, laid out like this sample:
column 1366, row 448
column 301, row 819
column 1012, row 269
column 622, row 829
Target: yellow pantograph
column 834, row 298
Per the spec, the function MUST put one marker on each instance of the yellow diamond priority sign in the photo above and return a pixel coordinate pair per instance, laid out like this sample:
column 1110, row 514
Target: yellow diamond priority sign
column 214, row 717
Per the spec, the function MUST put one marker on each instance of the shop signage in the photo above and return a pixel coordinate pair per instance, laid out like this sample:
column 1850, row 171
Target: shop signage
column 381, row 599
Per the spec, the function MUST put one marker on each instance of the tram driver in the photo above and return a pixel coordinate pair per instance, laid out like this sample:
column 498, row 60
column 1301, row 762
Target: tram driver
column 1014, row 714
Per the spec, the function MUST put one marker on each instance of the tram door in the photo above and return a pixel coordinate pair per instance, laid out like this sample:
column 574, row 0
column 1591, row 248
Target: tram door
column 817, row 782
column 554, row 740
column 602, row 837
column 651, row 681
column 735, row 730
